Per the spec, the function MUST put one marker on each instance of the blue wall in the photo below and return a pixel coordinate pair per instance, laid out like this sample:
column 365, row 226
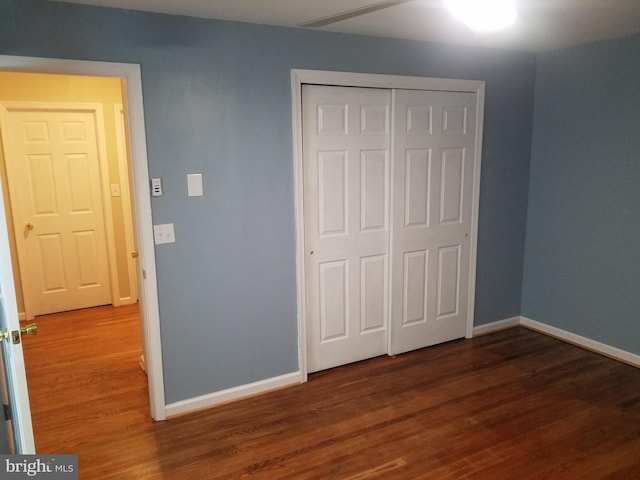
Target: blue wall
column 217, row 101
column 582, row 268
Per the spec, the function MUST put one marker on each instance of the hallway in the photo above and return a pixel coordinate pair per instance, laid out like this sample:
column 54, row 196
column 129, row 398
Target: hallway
column 84, row 378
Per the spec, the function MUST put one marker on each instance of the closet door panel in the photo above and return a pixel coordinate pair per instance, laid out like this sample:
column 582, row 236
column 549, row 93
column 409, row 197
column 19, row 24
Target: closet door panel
column 434, row 155
column 346, row 170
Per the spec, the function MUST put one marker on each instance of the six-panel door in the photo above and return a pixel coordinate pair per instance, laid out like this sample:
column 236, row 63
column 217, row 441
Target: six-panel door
column 346, row 146
column 385, row 231
column 433, row 168
column 54, row 183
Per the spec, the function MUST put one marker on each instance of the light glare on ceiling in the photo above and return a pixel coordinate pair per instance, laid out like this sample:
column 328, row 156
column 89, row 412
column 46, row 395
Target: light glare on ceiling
column 484, row 15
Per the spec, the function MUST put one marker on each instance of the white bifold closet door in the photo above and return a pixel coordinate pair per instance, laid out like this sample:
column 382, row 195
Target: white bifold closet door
column 386, row 261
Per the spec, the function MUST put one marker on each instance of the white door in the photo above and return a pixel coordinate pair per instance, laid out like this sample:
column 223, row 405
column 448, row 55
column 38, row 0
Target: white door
column 375, row 245
column 434, row 154
column 346, row 151
column 14, row 392
column 54, row 184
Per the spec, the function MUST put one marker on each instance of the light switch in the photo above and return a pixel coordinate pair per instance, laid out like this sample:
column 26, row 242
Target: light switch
column 194, row 184
column 115, row 189
column 164, row 233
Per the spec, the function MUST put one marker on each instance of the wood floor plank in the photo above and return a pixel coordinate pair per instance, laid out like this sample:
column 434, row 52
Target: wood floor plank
column 513, row 404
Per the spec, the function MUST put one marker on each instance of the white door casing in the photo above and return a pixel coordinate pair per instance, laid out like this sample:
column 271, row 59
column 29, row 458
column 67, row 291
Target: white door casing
column 131, row 75
column 127, row 210
column 346, row 185
column 449, row 258
column 434, row 157
column 54, row 178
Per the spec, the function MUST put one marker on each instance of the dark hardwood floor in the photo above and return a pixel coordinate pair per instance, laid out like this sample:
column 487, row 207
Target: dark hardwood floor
column 510, row 405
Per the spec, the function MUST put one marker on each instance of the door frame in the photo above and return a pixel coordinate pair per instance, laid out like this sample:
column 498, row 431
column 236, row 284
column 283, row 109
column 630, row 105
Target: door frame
column 367, row 80
column 95, row 109
column 149, row 309
column 125, row 195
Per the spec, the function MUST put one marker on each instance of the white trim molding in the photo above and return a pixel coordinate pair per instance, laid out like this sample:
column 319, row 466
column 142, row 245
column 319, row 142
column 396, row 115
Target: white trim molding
column 584, row 342
column 125, row 199
column 127, row 301
column 568, row 337
column 236, row 393
column 496, row 326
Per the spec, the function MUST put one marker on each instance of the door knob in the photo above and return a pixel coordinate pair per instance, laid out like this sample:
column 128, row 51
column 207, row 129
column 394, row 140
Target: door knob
column 30, row 329
column 28, row 226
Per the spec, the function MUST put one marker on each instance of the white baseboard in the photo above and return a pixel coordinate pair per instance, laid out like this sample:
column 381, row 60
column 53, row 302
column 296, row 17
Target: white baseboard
column 587, row 343
column 123, row 301
column 235, row 393
column 495, row 326
column 263, row 386
column 574, row 339
column 127, row 301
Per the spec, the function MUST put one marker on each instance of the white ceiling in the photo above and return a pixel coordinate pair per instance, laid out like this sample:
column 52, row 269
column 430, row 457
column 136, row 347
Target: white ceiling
column 542, row 24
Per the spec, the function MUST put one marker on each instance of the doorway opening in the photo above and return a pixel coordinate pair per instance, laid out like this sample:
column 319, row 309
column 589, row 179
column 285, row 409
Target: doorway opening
column 65, row 176
column 66, row 182
column 122, row 283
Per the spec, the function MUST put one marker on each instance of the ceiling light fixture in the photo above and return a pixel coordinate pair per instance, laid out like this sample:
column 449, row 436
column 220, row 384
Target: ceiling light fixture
column 484, row 15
